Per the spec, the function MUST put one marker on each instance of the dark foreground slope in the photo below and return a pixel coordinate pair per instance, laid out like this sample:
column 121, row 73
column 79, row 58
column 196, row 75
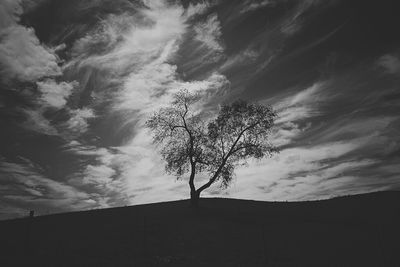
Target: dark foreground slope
column 360, row 230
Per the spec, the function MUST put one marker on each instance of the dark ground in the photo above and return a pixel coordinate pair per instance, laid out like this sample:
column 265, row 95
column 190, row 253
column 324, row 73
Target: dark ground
column 362, row 230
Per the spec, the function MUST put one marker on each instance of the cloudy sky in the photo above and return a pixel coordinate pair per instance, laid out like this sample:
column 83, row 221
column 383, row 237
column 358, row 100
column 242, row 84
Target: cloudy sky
column 78, row 79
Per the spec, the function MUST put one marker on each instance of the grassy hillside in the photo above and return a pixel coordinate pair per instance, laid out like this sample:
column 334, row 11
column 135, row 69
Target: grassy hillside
column 362, row 230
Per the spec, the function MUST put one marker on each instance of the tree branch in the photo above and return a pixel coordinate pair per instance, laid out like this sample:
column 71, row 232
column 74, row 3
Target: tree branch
column 243, row 147
column 191, row 140
column 231, row 151
column 202, row 162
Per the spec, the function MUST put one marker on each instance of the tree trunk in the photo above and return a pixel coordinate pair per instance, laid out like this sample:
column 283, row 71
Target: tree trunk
column 194, row 199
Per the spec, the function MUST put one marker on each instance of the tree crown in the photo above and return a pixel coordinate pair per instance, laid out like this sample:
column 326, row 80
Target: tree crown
column 190, row 142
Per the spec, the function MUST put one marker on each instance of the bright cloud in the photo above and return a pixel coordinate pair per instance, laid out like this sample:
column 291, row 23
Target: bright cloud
column 301, row 105
column 297, row 108
column 209, row 32
column 78, row 123
column 55, row 94
column 23, row 57
column 281, row 175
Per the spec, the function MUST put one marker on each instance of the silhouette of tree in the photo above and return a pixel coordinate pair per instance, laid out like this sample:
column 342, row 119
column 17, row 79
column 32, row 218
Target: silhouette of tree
column 190, row 143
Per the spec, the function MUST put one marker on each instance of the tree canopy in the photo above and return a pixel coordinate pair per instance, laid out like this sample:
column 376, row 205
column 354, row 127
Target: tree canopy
column 192, row 143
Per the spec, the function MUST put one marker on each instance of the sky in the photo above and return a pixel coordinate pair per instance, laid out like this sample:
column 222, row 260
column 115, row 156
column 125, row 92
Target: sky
column 78, row 80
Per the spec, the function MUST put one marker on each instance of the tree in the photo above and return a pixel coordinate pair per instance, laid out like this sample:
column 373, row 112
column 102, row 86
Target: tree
column 190, row 143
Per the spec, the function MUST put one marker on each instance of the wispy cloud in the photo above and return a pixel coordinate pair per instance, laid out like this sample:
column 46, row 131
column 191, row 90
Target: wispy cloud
column 301, row 105
column 102, row 177
column 293, row 110
column 241, row 59
column 10, row 12
column 25, row 182
column 295, row 20
column 251, row 5
column 35, row 121
column 297, row 173
column 209, row 32
column 390, row 64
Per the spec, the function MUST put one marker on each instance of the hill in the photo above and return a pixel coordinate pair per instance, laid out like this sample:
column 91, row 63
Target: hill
column 361, row 230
